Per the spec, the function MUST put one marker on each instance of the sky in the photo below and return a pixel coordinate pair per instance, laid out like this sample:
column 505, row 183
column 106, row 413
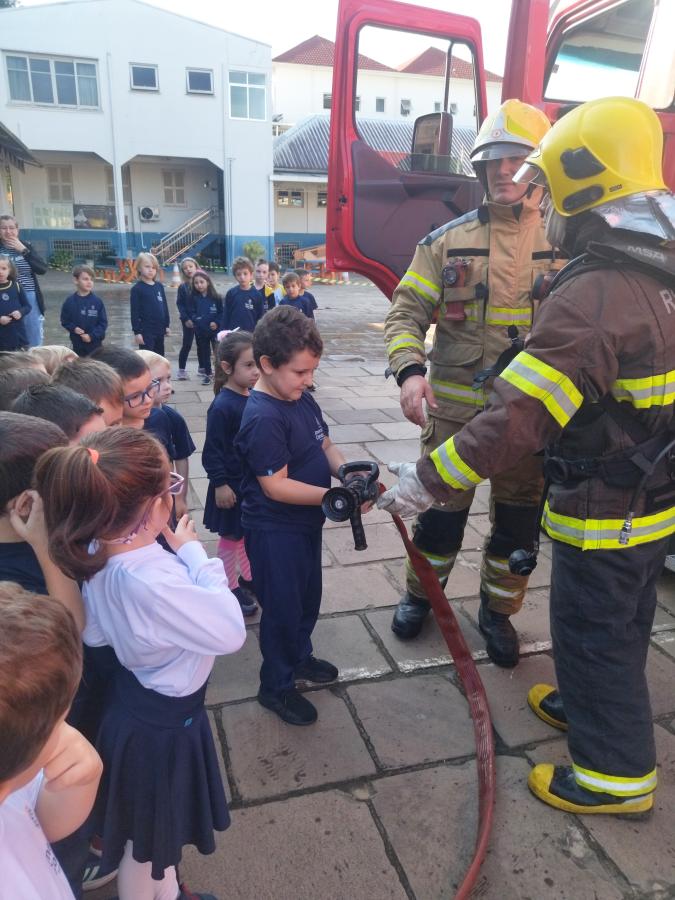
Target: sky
column 284, row 25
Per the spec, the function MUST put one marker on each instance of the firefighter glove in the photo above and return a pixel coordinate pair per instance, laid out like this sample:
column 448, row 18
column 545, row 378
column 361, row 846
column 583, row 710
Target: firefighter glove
column 407, row 497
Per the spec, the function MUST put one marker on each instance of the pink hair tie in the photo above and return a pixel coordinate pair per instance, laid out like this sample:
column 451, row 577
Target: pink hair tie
column 94, row 454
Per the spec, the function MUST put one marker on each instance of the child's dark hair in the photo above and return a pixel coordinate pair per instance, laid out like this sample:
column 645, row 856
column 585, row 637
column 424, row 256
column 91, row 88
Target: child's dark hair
column 261, row 262
column 15, row 381
column 40, row 668
column 290, row 278
column 229, row 351
column 83, row 270
column 10, row 263
column 58, row 404
column 274, row 267
column 95, row 491
column 127, row 363
column 282, row 332
column 210, row 288
column 93, row 378
column 242, row 262
column 23, row 440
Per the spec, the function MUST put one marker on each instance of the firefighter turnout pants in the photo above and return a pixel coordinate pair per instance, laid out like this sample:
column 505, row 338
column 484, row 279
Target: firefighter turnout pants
column 602, row 610
column 514, row 501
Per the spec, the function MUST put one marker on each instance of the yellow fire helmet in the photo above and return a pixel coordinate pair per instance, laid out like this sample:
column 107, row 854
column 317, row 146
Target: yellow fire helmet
column 600, row 151
column 513, row 130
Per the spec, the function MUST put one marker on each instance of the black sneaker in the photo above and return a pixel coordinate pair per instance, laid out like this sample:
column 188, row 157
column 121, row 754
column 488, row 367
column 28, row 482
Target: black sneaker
column 316, row 671
column 95, row 876
column 247, row 586
column 248, row 605
column 290, row 706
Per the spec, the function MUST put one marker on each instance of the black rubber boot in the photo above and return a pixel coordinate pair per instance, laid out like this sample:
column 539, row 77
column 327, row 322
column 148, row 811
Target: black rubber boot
column 409, row 616
column 501, row 640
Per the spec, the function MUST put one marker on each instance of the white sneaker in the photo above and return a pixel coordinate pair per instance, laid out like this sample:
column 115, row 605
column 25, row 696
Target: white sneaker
column 182, row 375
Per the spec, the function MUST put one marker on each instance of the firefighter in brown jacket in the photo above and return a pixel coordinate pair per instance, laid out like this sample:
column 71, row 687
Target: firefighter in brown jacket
column 595, row 386
column 475, row 275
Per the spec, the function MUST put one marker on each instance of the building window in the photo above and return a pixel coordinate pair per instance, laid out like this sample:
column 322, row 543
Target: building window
column 454, row 108
column 357, row 104
column 126, row 184
column 379, row 104
column 199, row 81
column 60, row 82
column 290, row 198
column 247, row 96
column 406, row 107
column 53, row 216
column 144, row 78
column 322, row 198
column 59, row 183
column 437, row 106
column 327, row 101
column 174, row 187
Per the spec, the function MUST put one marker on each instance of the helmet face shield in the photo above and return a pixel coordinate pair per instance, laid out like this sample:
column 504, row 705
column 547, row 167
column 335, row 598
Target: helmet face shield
column 529, row 174
column 500, row 150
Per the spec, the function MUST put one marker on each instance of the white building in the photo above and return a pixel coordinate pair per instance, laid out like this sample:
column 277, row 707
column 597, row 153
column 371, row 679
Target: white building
column 143, row 120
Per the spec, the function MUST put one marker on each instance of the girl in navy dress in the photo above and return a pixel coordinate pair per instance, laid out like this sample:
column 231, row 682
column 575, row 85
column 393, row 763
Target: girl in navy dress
column 185, row 305
column 208, row 311
column 236, row 373
column 166, row 617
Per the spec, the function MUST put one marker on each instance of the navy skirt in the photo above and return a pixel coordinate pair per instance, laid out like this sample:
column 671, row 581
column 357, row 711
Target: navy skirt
column 161, row 786
column 225, row 522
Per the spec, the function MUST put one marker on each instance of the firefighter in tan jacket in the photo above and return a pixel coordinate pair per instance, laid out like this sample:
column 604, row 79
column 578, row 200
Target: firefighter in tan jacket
column 475, row 277
column 595, row 386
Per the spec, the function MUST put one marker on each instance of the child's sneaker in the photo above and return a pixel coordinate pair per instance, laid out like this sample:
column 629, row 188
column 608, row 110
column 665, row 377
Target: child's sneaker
column 94, row 875
column 291, row 707
column 183, row 375
column 248, row 605
column 316, row 671
column 247, row 586
column 206, row 379
column 201, row 371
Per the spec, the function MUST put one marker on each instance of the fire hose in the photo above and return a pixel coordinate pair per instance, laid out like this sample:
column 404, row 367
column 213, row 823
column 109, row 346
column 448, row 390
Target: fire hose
column 359, row 484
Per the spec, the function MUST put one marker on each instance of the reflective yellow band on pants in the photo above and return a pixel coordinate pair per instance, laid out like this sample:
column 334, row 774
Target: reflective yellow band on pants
column 613, row 784
column 546, row 384
column 603, row 534
column 452, row 468
column 506, row 315
column 643, row 393
column 406, row 340
column 457, row 393
column 424, row 288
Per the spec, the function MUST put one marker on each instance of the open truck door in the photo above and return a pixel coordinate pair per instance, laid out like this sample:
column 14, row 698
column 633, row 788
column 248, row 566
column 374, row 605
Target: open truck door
column 394, row 179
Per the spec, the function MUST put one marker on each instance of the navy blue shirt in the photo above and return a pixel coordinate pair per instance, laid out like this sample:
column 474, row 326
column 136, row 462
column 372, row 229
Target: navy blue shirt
column 298, row 303
column 13, row 335
column 273, row 434
column 149, row 309
column 208, row 310
column 221, row 463
column 159, row 426
column 311, row 302
column 185, row 302
column 183, row 444
column 88, row 313
column 243, row 309
column 19, row 563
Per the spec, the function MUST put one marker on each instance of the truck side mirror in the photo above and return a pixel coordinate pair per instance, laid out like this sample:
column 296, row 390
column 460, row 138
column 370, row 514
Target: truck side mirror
column 432, row 139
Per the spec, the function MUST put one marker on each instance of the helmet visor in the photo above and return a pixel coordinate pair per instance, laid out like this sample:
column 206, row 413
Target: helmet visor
column 501, row 150
column 529, row 174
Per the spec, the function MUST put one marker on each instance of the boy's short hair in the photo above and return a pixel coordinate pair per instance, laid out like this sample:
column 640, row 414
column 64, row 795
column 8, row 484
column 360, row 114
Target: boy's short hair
column 16, row 381
column 290, row 278
column 242, row 262
column 147, row 257
column 282, row 332
column 59, row 404
column 261, row 262
column 93, row 378
column 274, row 267
column 23, row 440
column 83, row 270
column 153, row 359
column 40, row 669
column 52, row 356
column 127, row 363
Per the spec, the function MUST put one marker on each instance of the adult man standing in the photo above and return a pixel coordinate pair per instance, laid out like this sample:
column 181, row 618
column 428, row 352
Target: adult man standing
column 28, row 264
column 596, row 387
column 475, row 276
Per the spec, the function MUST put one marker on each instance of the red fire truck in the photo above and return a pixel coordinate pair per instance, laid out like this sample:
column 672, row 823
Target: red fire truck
column 383, row 198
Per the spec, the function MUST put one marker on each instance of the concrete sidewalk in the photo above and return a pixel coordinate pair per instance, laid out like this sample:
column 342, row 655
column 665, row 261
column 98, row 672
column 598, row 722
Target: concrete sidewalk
column 378, row 799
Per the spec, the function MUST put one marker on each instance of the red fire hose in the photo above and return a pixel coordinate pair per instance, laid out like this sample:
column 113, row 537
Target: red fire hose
column 476, row 697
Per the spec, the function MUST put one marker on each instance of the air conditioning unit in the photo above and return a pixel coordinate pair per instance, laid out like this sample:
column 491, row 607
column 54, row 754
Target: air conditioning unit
column 149, row 213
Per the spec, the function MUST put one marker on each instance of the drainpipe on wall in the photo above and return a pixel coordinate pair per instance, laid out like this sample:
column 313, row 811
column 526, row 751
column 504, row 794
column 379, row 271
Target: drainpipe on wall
column 116, row 168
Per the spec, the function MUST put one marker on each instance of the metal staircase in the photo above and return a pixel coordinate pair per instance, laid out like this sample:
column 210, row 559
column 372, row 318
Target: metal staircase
column 187, row 236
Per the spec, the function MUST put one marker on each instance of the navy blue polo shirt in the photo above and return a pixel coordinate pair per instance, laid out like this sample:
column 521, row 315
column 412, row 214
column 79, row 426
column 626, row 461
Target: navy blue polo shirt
column 242, row 309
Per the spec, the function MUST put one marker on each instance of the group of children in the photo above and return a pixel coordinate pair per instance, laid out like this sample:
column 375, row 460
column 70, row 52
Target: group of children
column 87, row 504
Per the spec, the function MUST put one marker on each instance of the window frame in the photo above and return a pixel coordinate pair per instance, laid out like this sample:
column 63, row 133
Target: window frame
column 189, row 90
column 249, row 87
column 51, row 60
column 137, row 87
column 383, row 101
column 293, row 199
column 59, row 182
column 322, row 199
column 181, row 204
column 327, row 101
column 407, row 108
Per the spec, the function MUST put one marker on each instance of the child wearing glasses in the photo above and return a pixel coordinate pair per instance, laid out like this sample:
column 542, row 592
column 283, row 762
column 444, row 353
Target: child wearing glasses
column 167, row 618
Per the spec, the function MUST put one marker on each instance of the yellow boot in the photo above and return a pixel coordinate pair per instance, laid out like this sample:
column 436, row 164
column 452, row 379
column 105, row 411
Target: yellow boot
column 545, row 702
column 557, row 786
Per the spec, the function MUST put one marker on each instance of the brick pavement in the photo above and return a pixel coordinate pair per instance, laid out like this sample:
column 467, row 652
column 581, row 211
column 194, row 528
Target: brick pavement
column 378, row 799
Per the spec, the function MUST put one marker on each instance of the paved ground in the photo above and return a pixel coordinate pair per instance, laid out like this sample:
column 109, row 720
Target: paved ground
column 378, row 799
